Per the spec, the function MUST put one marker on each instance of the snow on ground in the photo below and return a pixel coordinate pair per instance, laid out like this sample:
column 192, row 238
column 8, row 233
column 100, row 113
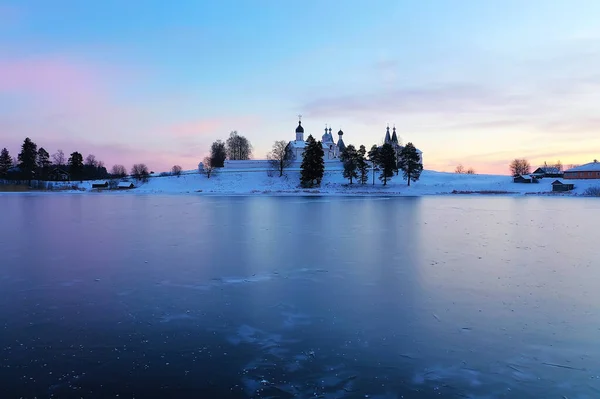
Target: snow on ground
column 259, row 182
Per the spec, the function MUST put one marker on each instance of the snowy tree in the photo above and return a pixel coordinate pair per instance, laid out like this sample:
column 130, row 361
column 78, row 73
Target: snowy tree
column 313, row 166
column 350, row 160
column 410, row 163
column 520, row 167
column 140, row 172
column 176, row 170
column 207, row 167
column 470, row 171
column 281, row 156
column 363, row 166
column 5, row 162
column 218, row 154
column 460, row 169
column 238, row 147
column 373, row 157
column 387, row 162
column 28, row 159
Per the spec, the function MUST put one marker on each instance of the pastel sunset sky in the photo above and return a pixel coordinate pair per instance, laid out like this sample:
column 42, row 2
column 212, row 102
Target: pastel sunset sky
column 473, row 81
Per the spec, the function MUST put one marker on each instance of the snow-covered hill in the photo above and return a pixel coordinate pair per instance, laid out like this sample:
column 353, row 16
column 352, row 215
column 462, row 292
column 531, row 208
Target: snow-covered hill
column 259, row 182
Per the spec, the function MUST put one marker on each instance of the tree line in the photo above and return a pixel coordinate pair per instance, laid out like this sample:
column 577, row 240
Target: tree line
column 33, row 163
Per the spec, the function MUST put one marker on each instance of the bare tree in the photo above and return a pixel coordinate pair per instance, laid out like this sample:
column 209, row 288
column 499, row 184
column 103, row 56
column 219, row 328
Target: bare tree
column 59, row 158
column 459, row 169
column 559, row 166
column 140, row 172
column 520, row 167
column 176, row 170
column 90, row 160
column 207, row 167
column 118, row 171
column 471, row 171
column 238, row 147
column 281, row 156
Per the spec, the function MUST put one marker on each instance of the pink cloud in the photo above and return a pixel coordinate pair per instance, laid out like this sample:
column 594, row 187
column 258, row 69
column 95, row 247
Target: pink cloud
column 57, row 81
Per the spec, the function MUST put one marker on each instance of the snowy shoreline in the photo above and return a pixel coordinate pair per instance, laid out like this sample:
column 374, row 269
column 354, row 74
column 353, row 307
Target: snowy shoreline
column 244, row 183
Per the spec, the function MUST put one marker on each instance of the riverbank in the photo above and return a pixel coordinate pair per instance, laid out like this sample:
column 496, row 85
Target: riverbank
column 243, row 182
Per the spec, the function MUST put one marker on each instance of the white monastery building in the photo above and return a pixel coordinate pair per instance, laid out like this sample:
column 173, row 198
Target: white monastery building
column 331, row 149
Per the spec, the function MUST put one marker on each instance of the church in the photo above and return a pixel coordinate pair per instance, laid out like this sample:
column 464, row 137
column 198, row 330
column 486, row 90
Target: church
column 393, row 140
column 331, row 149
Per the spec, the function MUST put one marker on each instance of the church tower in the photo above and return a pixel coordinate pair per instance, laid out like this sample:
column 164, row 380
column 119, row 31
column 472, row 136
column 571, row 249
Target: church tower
column 299, row 130
column 394, row 137
column 340, row 144
column 388, row 139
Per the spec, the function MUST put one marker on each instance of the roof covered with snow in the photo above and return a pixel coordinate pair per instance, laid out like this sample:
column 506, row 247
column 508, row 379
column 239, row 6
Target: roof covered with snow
column 588, row 167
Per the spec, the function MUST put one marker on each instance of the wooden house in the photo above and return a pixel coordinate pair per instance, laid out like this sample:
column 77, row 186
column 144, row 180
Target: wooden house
column 58, row 174
column 557, row 185
column 588, row 171
column 125, row 185
column 99, row 185
column 547, row 171
column 525, row 179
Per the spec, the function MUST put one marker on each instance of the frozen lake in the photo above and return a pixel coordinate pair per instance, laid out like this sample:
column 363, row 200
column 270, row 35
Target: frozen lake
column 239, row 297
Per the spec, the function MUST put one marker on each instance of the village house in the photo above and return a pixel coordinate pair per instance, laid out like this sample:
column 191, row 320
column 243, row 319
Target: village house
column 588, row 171
column 547, row 171
column 557, row 185
column 525, row 179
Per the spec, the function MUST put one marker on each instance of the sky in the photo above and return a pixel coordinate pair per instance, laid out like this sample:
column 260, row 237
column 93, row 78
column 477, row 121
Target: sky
column 476, row 82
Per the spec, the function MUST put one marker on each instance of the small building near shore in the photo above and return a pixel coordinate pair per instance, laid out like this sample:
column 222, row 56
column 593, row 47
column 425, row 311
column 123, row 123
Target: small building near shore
column 103, row 184
column 125, row 185
column 557, row 185
column 588, row 171
column 525, row 179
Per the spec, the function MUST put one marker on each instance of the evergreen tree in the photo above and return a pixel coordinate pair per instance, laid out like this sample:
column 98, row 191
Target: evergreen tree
column 387, row 162
column 218, row 154
column 363, row 166
column 76, row 165
column 410, row 163
column 28, row 159
column 374, row 159
column 313, row 166
column 43, row 163
column 5, row 162
column 350, row 159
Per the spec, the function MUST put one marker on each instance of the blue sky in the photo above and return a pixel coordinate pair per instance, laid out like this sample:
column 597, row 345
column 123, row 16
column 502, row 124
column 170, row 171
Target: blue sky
column 472, row 82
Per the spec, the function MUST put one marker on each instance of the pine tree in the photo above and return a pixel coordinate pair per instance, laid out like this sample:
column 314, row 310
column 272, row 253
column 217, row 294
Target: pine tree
column 363, row 166
column 410, row 163
column 313, row 166
column 76, row 165
column 374, row 159
column 28, row 159
column 387, row 162
column 5, row 162
column 350, row 159
column 43, row 163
